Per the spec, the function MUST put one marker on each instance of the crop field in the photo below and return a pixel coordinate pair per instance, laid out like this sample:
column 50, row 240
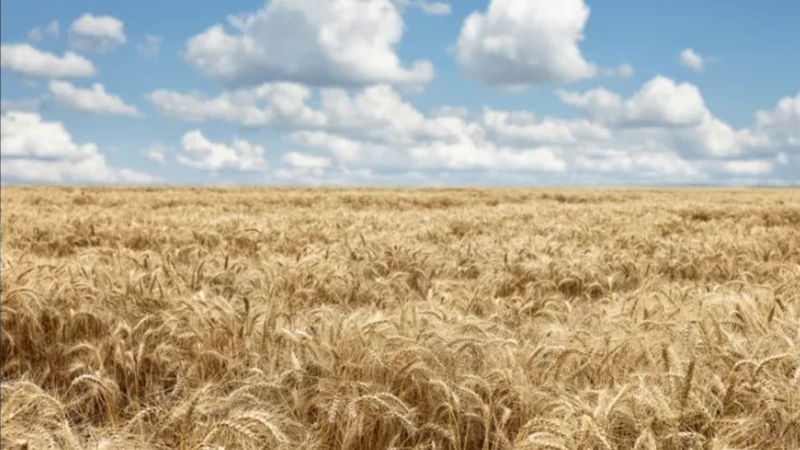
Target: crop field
column 400, row 319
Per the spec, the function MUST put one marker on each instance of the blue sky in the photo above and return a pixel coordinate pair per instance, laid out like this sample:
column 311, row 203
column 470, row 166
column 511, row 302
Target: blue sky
column 396, row 92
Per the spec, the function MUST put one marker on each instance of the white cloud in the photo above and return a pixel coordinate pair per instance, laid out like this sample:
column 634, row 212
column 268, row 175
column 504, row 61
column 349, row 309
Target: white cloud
column 377, row 111
column 129, row 176
column 429, row 7
column 376, row 128
column 150, row 48
column 465, row 153
column 600, row 103
column 660, row 102
column 195, row 107
column 98, row 34
column 663, row 133
column 672, row 114
column 454, row 111
column 94, row 100
column 27, row 135
column 92, row 168
column 156, row 152
column 260, row 106
column 692, row 60
column 304, row 161
column 716, row 138
column 303, row 168
column 25, row 60
column 782, row 124
column 35, row 150
column 343, row 176
column 638, row 162
column 753, row 167
column 524, row 127
column 344, row 149
column 200, row 153
column 38, row 33
column 318, row 42
column 521, row 43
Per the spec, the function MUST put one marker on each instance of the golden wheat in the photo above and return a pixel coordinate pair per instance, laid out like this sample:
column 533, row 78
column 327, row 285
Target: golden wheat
column 399, row 319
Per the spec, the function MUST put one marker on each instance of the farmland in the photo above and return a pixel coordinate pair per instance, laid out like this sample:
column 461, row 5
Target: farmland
column 408, row 319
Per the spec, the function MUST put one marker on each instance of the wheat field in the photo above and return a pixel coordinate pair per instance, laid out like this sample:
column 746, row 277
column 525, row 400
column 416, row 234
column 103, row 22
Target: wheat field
column 400, row 319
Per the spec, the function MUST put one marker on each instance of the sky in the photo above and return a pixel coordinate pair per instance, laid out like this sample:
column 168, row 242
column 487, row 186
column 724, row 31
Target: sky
column 401, row 92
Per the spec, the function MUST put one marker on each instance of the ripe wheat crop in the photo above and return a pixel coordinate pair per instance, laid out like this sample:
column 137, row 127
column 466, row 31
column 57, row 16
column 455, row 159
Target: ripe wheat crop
column 399, row 319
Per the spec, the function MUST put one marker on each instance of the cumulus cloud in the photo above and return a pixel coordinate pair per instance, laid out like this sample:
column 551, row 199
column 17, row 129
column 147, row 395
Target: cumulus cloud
column 98, row 34
column 596, row 103
column 522, row 43
column 200, row 153
column 304, row 161
column 782, row 124
column 376, row 126
column 267, row 104
column 26, row 60
column 40, row 151
column 448, row 110
column 305, row 168
column 196, row 107
column 663, row 133
column 716, row 138
column 638, row 162
column 674, row 114
column 660, row 102
column 39, row 33
column 751, row 167
column 345, row 149
column 317, row 42
column 27, row 135
column 38, row 170
column 671, row 120
column 692, row 60
column 466, row 153
column 377, row 111
column 94, row 100
column 150, row 48
column 523, row 126
column 488, row 155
